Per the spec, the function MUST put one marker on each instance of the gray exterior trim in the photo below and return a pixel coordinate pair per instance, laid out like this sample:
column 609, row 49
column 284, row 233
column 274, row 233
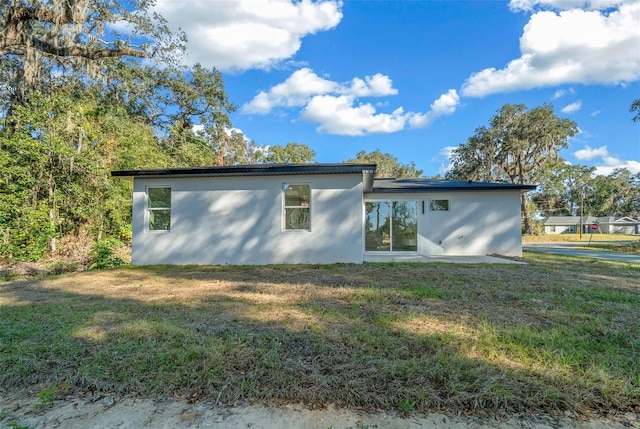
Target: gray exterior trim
column 429, row 185
column 250, row 170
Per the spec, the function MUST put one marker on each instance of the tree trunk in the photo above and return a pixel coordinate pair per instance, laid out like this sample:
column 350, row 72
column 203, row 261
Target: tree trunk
column 52, row 210
column 525, row 219
column 101, row 228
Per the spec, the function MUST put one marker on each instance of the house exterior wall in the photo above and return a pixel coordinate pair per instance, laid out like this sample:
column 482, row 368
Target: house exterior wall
column 477, row 222
column 239, row 220
column 624, row 229
column 560, row 229
column 604, row 228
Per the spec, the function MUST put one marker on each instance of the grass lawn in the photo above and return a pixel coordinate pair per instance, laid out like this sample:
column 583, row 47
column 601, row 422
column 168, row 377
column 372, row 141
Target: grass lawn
column 559, row 333
column 576, row 237
column 625, row 243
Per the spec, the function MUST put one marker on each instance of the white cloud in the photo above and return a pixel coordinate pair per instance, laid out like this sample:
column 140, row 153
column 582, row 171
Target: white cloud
column 589, row 153
column 297, row 90
column 303, row 84
column 446, row 152
column 562, row 92
column 245, row 34
column 371, row 86
column 338, row 115
column 446, row 104
column 570, row 46
column 529, row 5
column 612, row 163
column 559, row 93
column 573, row 107
column 596, row 112
column 335, row 107
column 608, row 162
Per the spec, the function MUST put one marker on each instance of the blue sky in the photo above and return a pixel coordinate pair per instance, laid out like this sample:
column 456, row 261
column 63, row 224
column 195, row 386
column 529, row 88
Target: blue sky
column 416, row 78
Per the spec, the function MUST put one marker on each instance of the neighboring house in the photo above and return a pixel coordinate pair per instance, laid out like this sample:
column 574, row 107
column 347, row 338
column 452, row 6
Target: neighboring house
column 622, row 225
column 605, row 224
column 315, row 213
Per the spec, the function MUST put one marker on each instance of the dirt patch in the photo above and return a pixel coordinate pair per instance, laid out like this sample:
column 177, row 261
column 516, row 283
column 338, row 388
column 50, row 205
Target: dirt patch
column 106, row 412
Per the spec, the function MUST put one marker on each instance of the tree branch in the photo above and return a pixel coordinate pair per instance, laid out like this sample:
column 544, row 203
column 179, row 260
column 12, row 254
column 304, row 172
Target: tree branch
column 10, row 43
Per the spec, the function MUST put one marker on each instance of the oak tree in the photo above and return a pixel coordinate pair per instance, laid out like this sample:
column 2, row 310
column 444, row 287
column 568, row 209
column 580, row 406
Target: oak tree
column 76, row 102
column 291, row 153
column 388, row 165
column 518, row 146
column 635, row 109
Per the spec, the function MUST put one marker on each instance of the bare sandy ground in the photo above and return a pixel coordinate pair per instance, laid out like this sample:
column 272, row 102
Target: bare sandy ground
column 24, row 411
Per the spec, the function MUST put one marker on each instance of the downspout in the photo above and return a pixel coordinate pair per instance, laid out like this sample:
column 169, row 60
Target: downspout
column 367, row 180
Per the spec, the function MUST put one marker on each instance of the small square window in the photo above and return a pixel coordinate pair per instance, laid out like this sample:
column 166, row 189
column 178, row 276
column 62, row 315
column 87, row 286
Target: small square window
column 159, row 209
column 297, row 206
column 439, row 205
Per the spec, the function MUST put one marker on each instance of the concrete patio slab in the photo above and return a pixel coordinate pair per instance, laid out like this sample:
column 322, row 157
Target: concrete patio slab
column 440, row 258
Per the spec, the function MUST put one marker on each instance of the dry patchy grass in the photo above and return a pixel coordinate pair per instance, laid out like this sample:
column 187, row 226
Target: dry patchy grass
column 559, row 333
column 586, row 237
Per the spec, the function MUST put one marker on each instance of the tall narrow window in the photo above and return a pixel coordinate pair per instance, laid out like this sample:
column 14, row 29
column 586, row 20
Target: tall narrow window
column 159, row 208
column 297, row 206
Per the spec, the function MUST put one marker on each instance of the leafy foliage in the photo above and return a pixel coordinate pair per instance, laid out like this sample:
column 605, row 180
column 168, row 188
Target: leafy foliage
column 518, row 147
column 45, row 41
column 562, row 189
column 104, row 254
column 55, row 170
column 74, row 107
column 574, row 190
column 292, row 153
column 635, row 109
column 388, row 165
column 617, row 194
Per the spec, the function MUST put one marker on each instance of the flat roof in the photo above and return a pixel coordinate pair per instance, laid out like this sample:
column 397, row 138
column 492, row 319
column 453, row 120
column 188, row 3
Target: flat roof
column 383, row 185
column 424, row 185
column 250, row 170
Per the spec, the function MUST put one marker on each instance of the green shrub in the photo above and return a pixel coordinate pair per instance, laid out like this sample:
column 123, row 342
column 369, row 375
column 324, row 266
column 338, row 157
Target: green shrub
column 104, row 254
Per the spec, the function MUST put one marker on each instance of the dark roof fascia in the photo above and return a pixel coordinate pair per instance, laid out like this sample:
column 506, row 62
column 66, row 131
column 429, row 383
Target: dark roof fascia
column 386, row 186
column 249, row 170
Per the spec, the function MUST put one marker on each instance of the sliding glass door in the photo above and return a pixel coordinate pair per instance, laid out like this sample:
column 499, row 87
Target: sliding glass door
column 391, row 226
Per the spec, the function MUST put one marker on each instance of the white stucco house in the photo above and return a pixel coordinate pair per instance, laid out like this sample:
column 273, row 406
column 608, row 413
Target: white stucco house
column 314, row 213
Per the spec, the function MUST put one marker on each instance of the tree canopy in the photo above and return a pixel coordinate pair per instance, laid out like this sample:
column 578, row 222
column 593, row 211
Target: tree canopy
column 388, row 164
column 45, row 42
column 518, row 146
column 635, row 109
column 291, row 153
column 76, row 102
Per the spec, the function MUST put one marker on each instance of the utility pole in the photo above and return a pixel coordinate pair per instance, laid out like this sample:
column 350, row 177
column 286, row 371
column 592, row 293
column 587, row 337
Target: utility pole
column 581, row 210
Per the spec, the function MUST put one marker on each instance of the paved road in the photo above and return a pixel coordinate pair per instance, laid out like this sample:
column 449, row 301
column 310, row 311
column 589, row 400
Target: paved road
column 571, row 250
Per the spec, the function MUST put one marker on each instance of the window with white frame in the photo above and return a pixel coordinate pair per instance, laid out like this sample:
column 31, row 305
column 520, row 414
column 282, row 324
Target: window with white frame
column 297, row 206
column 439, row 205
column 159, row 209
